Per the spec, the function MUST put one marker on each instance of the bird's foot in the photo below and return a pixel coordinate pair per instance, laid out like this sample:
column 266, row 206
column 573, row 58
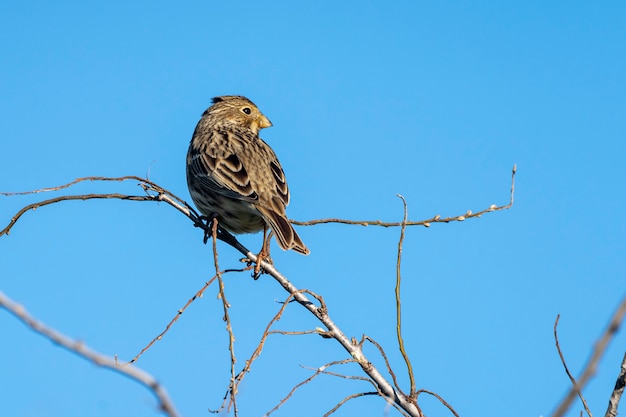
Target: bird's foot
column 261, row 257
column 207, row 226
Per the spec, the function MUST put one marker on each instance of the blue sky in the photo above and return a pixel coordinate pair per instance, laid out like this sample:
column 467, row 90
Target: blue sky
column 434, row 101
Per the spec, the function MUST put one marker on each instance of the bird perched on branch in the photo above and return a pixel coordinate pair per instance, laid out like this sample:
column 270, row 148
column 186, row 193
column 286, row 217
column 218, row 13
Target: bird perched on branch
column 234, row 176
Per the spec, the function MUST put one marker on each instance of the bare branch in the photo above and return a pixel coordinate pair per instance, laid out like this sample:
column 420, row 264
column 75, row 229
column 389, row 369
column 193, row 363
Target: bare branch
column 382, row 352
column 360, row 378
column 616, row 395
column 157, row 193
column 437, row 396
column 79, row 348
column 409, row 367
column 306, row 381
column 348, row 398
column 571, row 377
column 286, row 333
column 43, row 203
column 592, row 364
column 426, row 223
column 234, row 386
column 354, row 349
column 176, row 317
column 76, row 181
column 226, row 318
column 338, row 375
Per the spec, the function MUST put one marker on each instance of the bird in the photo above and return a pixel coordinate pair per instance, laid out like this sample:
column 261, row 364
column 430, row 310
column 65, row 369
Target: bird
column 235, row 177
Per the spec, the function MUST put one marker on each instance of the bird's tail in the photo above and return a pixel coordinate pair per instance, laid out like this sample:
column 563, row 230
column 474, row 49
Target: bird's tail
column 286, row 236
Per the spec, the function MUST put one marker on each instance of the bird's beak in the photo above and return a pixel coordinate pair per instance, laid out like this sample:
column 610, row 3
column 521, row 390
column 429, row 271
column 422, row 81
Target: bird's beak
column 263, row 122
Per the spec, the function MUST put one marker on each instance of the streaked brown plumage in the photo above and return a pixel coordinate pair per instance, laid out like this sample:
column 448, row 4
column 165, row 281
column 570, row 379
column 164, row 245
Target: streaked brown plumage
column 232, row 174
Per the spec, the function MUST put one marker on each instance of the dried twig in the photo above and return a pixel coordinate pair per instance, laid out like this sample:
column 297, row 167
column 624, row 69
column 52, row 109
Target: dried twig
column 43, row 203
column 157, row 193
column 592, row 364
column 437, row 396
column 286, row 333
column 226, row 318
column 234, row 384
column 382, row 352
column 570, row 376
column 79, row 348
column 175, row 319
column 84, row 179
column 319, row 371
column 354, row 377
column 348, row 398
column 323, row 370
column 409, row 367
column 333, row 331
column 426, row 223
column 337, row 374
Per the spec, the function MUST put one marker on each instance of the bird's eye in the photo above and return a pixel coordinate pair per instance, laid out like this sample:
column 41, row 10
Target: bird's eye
column 246, row 110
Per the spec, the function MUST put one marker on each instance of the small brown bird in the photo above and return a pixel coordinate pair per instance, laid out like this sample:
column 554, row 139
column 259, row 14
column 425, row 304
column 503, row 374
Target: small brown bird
column 233, row 175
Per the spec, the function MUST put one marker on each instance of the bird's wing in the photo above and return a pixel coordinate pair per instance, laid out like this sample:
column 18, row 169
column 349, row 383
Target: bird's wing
column 281, row 190
column 218, row 168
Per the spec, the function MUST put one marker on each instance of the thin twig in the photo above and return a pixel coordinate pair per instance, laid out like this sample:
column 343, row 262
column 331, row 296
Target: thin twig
column 598, row 351
column 437, row 396
column 83, row 179
column 234, row 385
column 354, row 349
column 359, row 378
column 346, row 399
column 322, row 370
column 286, row 333
column 382, row 352
column 569, row 374
column 79, row 348
column 257, row 352
column 319, row 371
column 343, row 376
column 175, row 319
column 426, row 223
column 321, row 312
column 409, row 366
column 229, row 327
column 43, row 203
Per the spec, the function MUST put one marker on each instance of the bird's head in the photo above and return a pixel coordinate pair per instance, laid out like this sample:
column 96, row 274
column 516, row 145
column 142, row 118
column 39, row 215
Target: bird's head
column 238, row 111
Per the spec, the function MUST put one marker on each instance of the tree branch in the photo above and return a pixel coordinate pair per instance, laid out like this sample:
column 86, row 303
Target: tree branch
column 570, row 376
column 165, row 403
column 426, row 223
column 156, row 193
column 407, row 361
column 592, row 364
column 616, row 395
